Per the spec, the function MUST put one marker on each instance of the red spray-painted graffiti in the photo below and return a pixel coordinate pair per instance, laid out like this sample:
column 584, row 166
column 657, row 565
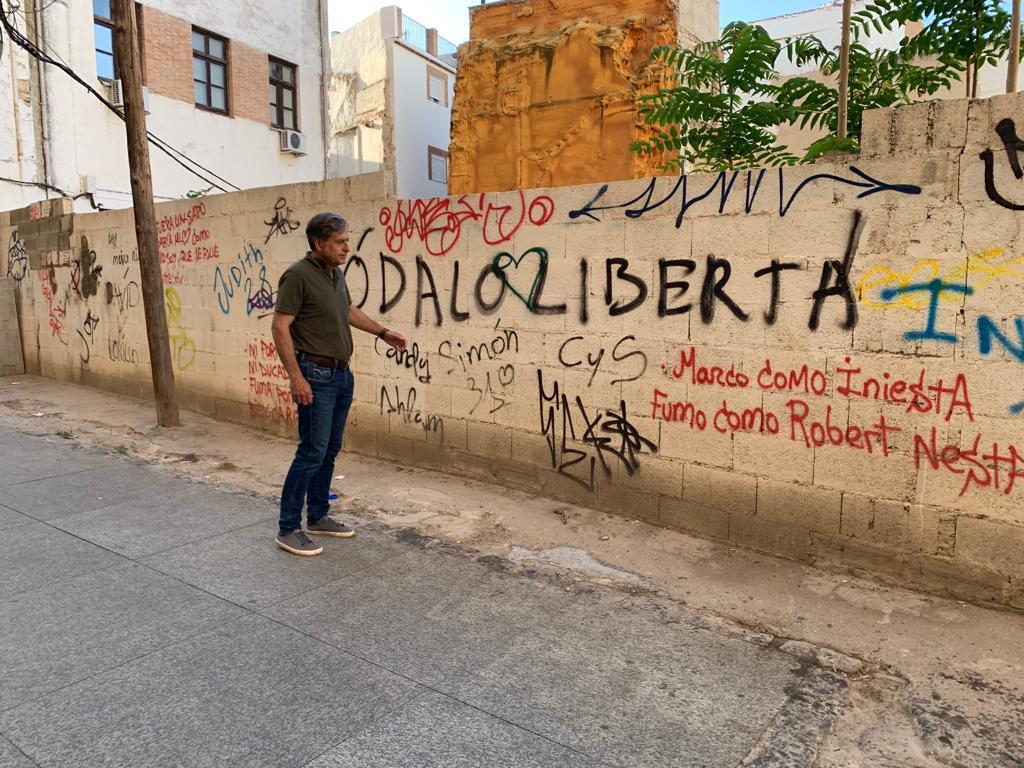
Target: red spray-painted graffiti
column 437, row 222
column 269, row 394
column 57, row 310
column 997, row 469
column 814, row 424
column 184, row 241
column 919, row 394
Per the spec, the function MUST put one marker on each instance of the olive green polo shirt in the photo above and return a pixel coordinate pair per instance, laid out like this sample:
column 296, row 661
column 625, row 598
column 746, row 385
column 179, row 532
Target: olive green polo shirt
column 318, row 299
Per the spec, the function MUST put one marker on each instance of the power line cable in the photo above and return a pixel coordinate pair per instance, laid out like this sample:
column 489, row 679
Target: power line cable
column 37, row 53
column 16, row 8
column 51, row 188
column 61, row 64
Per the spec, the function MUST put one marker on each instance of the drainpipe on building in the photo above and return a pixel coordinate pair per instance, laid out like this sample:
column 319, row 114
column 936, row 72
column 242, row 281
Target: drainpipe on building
column 388, row 128
column 325, row 74
column 40, row 105
column 57, row 94
column 18, row 148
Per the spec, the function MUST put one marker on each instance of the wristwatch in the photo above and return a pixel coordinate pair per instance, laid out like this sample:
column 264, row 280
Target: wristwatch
column 383, row 333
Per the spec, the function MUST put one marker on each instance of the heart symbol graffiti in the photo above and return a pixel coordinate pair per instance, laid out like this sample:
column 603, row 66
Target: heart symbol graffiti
column 504, row 261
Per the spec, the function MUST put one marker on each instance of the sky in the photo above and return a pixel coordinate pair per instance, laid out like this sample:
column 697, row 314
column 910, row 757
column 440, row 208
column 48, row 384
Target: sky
column 451, row 17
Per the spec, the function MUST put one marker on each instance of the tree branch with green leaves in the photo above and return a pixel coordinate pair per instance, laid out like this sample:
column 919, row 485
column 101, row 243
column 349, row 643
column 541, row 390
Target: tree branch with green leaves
column 721, row 108
column 963, row 35
column 880, row 78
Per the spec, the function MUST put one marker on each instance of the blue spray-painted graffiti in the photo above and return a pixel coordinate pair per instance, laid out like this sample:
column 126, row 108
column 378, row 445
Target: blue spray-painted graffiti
column 936, row 288
column 250, row 272
column 986, row 327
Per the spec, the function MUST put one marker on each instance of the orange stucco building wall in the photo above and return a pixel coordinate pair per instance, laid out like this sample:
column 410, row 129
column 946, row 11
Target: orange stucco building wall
column 547, row 92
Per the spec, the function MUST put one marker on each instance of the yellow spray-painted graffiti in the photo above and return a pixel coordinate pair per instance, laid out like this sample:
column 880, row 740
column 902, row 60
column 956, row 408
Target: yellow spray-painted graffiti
column 183, row 348
column 975, row 272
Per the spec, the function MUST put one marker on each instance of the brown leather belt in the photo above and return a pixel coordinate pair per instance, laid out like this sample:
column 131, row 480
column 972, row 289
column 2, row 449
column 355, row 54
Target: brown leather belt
column 326, row 362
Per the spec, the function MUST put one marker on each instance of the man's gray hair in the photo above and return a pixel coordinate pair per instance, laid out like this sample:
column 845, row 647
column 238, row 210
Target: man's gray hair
column 322, row 226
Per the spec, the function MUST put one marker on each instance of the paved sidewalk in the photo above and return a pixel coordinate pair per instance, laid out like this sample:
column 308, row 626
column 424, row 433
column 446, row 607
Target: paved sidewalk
column 149, row 620
column 930, row 682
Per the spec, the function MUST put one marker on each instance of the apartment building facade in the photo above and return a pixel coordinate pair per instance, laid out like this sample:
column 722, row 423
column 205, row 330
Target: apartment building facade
column 238, row 93
column 391, row 94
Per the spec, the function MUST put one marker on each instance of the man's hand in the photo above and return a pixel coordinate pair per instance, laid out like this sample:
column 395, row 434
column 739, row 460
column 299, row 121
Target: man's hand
column 302, row 393
column 359, row 319
column 395, row 340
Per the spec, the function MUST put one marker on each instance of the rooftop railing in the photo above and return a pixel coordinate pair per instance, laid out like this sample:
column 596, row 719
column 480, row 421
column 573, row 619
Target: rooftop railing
column 414, row 33
column 418, row 36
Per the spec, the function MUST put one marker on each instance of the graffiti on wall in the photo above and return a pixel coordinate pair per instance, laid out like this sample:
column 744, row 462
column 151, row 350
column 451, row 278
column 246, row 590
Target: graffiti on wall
column 17, row 258
column 814, row 414
column 87, row 335
column 56, row 309
column 989, row 332
column 526, row 278
column 119, row 349
column 184, row 241
column 247, row 278
column 411, row 359
column 438, row 223
column 486, row 322
column 623, row 359
column 724, row 184
column 122, row 296
column 581, row 439
column 183, row 347
column 394, row 400
column 85, row 273
column 125, row 258
column 975, row 272
column 1012, row 146
column 280, row 221
column 269, row 390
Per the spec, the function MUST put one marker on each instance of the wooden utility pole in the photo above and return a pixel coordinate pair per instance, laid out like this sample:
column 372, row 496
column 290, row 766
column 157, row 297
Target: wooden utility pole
column 844, row 67
column 1013, row 59
column 129, row 70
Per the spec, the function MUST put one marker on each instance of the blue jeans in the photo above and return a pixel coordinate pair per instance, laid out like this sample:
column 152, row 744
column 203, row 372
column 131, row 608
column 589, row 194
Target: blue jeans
column 321, row 427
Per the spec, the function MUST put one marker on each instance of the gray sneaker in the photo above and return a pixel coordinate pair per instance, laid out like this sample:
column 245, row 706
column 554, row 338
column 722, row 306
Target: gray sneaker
column 298, row 543
column 328, row 526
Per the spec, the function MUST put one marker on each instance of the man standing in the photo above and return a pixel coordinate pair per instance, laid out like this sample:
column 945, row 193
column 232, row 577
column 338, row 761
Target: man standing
column 312, row 330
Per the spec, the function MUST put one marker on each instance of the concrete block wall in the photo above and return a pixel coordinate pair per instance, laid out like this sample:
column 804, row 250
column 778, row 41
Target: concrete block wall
column 821, row 362
column 11, row 361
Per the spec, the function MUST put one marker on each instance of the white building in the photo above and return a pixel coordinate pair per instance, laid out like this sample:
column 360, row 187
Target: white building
column 222, row 86
column 825, row 23
column 390, row 102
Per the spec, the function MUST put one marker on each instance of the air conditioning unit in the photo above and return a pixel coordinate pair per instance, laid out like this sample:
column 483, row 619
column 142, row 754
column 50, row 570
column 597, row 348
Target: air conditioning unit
column 294, row 142
column 117, row 95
